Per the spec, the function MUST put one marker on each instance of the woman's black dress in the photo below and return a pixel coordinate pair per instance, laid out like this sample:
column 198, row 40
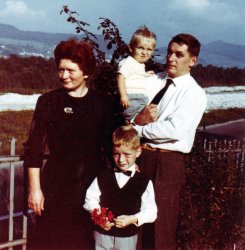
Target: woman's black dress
column 77, row 133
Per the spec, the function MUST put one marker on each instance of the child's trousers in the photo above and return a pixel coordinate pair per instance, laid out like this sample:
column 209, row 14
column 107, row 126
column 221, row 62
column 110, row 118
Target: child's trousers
column 108, row 242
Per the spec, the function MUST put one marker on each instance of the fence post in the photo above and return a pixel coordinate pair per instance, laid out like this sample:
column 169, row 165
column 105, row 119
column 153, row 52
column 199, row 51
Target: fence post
column 12, row 148
column 11, row 193
column 24, row 234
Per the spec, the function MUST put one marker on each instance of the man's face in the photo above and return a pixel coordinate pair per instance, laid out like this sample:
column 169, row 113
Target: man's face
column 124, row 156
column 178, row 60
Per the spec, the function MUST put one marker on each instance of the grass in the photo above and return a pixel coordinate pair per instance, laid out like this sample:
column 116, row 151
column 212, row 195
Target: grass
column 17, row 123
column 23, row 91
column 14, row 124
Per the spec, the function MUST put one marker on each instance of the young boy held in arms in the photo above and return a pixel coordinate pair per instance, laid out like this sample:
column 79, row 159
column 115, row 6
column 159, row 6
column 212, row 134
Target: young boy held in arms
column 131, row 77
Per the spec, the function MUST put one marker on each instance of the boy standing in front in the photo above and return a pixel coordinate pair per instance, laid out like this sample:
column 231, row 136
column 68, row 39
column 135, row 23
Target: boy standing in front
column 127, row 193
column 131, row 74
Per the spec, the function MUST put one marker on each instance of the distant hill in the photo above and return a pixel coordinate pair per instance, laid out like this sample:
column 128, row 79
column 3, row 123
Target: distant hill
column 15, row 41
column 26, row 43
column 223, row 54
column 220, row 54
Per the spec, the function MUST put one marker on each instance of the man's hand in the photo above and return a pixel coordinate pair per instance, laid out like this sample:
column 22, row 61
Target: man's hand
column 125, row 220
column 108, row 225
column 147, row 115
column 36, row 201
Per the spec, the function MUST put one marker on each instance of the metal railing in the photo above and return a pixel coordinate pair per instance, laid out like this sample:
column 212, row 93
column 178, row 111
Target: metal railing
column 223, row 148
column 11, row 160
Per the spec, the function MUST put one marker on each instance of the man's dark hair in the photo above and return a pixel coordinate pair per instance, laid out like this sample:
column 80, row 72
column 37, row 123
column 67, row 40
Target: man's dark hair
column 192, row 43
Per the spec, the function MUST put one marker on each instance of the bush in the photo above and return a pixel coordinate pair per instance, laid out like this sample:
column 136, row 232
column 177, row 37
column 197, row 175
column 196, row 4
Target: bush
column 212, row 209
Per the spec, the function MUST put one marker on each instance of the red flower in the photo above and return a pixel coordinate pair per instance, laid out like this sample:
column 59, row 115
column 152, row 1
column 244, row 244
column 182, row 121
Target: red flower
column 101, row 215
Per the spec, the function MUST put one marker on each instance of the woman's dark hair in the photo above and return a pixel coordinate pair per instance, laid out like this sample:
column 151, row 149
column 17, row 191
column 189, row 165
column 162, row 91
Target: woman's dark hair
column 192, row 43
column 79, row 52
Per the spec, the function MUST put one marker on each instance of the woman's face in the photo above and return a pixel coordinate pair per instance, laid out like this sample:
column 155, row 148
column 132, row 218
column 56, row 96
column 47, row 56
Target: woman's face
column 71, row 76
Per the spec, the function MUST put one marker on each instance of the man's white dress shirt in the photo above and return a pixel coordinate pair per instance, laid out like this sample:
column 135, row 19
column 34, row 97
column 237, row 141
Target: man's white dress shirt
column 179, row 113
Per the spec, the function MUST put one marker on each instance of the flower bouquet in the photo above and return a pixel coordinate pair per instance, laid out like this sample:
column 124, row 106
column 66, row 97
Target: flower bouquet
column 101, row 215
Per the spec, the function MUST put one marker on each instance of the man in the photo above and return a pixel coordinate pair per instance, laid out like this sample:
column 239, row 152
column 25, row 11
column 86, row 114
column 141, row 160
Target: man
column 168, row 130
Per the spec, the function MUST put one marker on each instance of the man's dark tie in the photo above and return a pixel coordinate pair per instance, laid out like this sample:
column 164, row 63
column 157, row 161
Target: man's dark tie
column 128, row 172
column 160, row 94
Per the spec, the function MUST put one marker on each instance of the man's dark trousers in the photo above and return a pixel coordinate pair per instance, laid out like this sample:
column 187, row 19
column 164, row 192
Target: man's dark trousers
column 167, row 171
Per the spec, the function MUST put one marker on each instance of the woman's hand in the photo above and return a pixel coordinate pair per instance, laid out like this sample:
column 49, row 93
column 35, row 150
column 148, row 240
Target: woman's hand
column 35, row 196
column 36, row 201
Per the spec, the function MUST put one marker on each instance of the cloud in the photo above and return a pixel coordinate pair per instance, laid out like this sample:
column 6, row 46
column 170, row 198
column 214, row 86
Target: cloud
column 22, row 15
column 198, row 3
column 192, row 5
column 210, row 11
column 16, row 7
column 19, row 8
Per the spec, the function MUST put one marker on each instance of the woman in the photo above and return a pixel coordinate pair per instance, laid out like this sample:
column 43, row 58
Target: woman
column 74, row 122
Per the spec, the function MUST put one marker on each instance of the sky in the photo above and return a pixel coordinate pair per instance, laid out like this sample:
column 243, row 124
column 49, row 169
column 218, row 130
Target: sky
column 208, row 20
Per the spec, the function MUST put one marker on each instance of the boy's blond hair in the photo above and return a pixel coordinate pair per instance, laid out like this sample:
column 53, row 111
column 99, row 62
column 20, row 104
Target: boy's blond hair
column 126, row 136
column 142, row 32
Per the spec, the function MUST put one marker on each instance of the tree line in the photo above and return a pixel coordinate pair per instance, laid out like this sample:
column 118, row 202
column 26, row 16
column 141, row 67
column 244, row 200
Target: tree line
column 210, row 75
column 38, row 73
column 32, row 72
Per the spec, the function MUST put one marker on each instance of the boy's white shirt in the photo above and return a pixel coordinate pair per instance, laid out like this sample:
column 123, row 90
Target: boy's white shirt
column 135, row 75
column 148, row 208
column 129, row 67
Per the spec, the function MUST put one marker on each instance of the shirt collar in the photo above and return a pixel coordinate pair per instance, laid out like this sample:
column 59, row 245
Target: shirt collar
column 132, row 169
column 178, row 80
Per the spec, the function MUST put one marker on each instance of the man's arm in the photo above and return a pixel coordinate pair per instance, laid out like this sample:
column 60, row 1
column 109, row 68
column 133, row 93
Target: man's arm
column 35, row 194
column 174, row 127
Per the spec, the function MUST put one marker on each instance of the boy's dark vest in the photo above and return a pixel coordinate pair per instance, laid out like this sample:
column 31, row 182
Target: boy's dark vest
column 121, row 201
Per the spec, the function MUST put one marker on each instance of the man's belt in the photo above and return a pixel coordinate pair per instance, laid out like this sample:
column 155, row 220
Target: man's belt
column 147, row 147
